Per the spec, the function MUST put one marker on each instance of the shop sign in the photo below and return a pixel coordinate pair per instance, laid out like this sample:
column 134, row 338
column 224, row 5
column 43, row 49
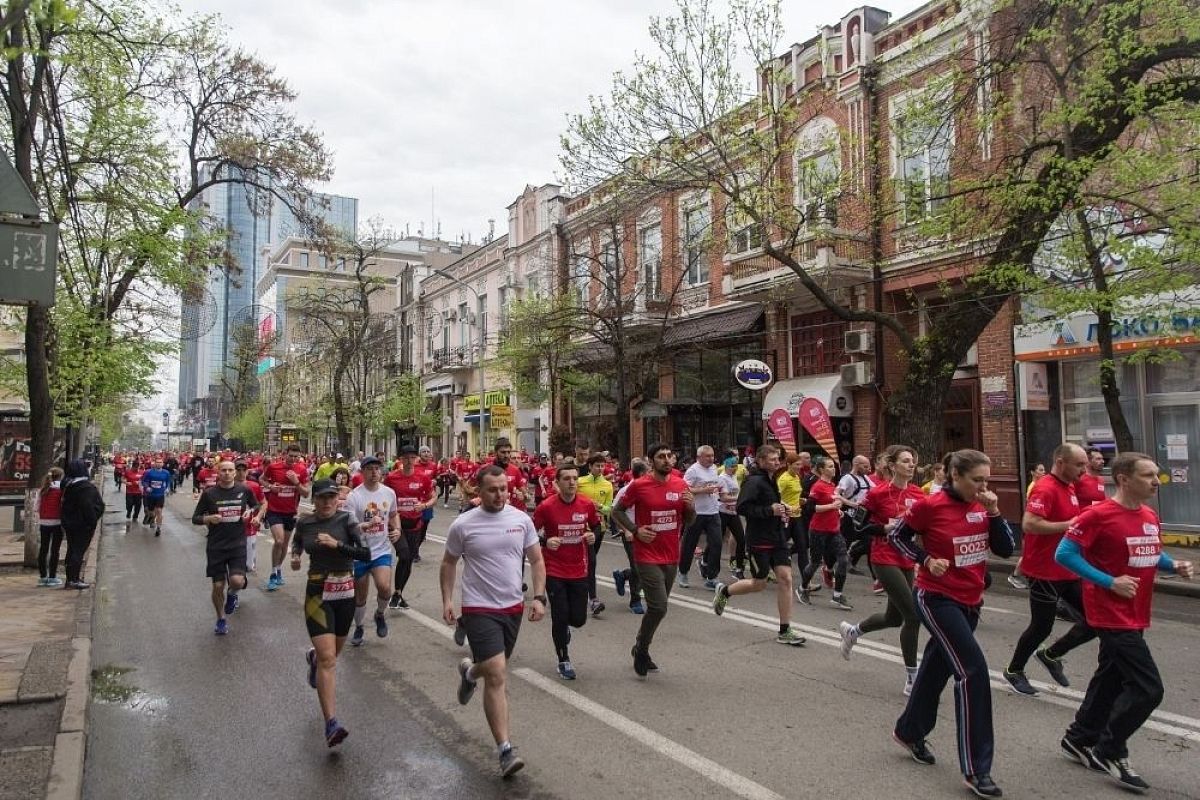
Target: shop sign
column 501, row 417
column 1035, row 386
column 495, row 397
column 753, row 374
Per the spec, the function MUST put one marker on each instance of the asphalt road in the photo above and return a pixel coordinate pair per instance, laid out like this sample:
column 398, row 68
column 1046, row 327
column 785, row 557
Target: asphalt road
column 732, row 714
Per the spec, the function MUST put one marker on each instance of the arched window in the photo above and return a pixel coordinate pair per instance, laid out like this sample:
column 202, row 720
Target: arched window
column 818, row 173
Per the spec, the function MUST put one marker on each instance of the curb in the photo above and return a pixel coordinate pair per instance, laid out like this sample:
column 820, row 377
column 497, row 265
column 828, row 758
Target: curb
column 1175, row 587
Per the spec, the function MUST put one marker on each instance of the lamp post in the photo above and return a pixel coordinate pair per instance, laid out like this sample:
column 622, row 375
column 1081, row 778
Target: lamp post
column 482, row 342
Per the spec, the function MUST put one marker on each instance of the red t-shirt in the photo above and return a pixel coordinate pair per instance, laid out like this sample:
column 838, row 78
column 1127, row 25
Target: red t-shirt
column 207, row 477
column 886, row 502
column 286, row 498
column 356, row 480
column 412, row 491
column 1054, row 501
column 50, row 503
column 958, row 532
column 1119, row 541
column 568, row 521
column 1090, row 489
column 657, row 505
column 256, row 490
column 133, row 480
column 821, row 493
column 516, row 483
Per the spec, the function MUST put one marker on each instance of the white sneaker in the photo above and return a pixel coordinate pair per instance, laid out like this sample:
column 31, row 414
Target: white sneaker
column 850, row 636
column 681, row 580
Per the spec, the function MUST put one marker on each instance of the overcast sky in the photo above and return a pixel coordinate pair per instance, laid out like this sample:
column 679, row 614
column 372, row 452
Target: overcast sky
column 456, row 104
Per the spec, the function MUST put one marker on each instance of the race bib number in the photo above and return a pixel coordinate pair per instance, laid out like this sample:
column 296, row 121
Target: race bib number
column 571, row 534
column 287, row 491
column 1144, row 551
column 663, row 521
column 338, row 587
column 970, row 550
column 406, row 503
column 230, row 513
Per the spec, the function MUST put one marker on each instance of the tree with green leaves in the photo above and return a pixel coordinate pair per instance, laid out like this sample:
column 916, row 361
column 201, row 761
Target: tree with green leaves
column 248, row 429
column 537, row 348
column 405, row 408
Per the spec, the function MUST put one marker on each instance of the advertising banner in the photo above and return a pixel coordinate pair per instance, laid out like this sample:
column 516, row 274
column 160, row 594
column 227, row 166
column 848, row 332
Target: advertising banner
column 815, row 419
column 779, row 423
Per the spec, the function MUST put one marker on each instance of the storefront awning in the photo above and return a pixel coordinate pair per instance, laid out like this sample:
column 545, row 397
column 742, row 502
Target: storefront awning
column 438, row 391
column 826, row 388
column 726, row 324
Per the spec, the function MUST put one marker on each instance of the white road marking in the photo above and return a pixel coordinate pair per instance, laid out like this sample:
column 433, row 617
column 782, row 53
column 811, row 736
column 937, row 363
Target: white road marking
column 739, row 785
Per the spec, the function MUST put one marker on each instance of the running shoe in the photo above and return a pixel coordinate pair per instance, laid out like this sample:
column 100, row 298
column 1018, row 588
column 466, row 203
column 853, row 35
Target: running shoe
column 158, row 532
column 395, row 601
column 739, row 574
column 839, row 601
column 1122, row 773
column 849, row 634
column 619, row 580
column 357, row 639
column 43, row 582
column 78, row 585
column 335, row 734
column 54, row 582
column 877, row 587
column 720, row 600
column 222, row 627
column 510, row 763
column 595, row 606
column 803, row 595
column 231, row 602
column 279, row 581
column 1018, row 582
column 466, row 686
column 272, row 583
column 1080, row 754
column 381, row 628
column 681, row 580
column 641, row 661
column 403, row 606
column 710, row 584
column 1054, row 666
column 636, row 607
column 566, row 671
column 919, row 750
column 650, row 665
column 460, row 633
column 1019, row 683
column 791, row 636
column 826, row 577
column 853, row 570
column 311, row 658
column 982, row 785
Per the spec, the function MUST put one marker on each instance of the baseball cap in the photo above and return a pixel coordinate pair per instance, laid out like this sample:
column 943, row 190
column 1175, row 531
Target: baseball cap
column 324, row 487
column 408, row 450
column 369, row 461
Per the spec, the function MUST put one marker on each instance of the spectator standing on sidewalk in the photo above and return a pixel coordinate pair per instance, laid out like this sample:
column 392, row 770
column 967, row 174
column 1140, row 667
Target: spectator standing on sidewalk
column 81, row 511
column 50, row 528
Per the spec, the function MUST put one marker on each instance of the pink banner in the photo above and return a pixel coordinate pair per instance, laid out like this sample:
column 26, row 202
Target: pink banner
column 815, row 419
column 779, row 423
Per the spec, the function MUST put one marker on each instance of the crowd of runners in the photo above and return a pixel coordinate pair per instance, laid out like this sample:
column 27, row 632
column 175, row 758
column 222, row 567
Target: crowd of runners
column 529, row 528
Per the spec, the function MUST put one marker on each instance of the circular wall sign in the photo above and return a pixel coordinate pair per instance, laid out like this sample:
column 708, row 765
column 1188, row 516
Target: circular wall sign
column 753, row 374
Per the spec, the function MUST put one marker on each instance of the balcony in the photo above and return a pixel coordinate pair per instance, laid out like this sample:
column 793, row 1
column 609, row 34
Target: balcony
column 455, row 358
column 833, row 258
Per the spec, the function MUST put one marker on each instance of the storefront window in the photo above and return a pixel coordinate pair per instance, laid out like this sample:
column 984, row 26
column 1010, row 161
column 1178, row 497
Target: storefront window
column 1081, row 380
column 1180, row 374
column 1087, row 422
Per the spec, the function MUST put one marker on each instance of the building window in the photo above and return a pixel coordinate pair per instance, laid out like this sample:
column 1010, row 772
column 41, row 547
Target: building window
column 324, row 262
column 581, row 279
column 304, row 260
column 650, row 260
column 818, row 343
column 922, row 163
column 817, row 188
column 609, row 274
column 483, row 328
column 744, row 233
column 696, row 222
column 464, row 326
column 1085, row 419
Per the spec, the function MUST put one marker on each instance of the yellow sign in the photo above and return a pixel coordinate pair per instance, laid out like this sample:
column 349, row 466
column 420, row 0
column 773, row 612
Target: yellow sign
column 501, row 417
column 496, row 397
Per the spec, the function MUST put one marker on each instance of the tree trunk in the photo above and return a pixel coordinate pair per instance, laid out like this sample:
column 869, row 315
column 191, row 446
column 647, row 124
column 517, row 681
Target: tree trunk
column 1122, row 435
column 913, row 414
column 41, row 417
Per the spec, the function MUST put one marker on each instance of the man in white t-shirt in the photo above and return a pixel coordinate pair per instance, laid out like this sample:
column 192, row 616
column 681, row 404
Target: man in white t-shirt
column 494, row 539
column 373, row 507
column 703, row 479
column 853, row 488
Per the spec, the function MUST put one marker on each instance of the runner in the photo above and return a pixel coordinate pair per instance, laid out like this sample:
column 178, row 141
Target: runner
column 155, row 483
column 702, row 479
column 628, row 575
column 770, row 551
column 331, row 539
column 414, row 494
column 493, row 540
column 225, row 509
column 729, row 486
column 1090, row 486
column 827, row 546
column 1115, row 546
column 1049, row 512
column 957, row 527
column 853, row 487
column 569, row 524
column 284, row 482
column 171, row 465
column 255, row 522
column 664, row 507
column 133, row 492
column 886, row 505
column 373, row 506
column 599, row 489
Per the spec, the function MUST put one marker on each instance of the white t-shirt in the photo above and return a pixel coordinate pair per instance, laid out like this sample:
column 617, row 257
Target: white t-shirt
column 492, row 546
column 373, row 508
column 728, row 485
column 698, row 477
column 853, row 487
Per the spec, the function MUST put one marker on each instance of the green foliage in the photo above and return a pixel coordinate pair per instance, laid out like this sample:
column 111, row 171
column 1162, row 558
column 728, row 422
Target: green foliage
column 537, row 347
column 250, row 427
column 406, row 407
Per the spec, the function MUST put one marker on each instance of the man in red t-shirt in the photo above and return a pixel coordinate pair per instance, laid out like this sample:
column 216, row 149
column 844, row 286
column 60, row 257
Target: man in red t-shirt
column 1050, row 510
column 284, row 482
column 255, row 521
column 1116, row 547
column 569, row 524
column 663, row 507
column 517, row 483
column 1089, row 487
column 414, row 496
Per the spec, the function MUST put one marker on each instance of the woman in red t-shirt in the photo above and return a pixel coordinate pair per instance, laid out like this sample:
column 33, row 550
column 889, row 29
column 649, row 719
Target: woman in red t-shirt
column 133, row 490
column 886, row 504
column 50, row 527
column 826, row 545
column 957, row 526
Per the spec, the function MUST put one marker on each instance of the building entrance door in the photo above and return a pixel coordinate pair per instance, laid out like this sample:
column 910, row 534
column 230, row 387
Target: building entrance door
column 1177, row 450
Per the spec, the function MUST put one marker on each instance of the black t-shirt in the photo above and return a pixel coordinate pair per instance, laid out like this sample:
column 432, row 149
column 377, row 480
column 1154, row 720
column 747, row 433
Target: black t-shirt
column 230, row 503
column 325, row 560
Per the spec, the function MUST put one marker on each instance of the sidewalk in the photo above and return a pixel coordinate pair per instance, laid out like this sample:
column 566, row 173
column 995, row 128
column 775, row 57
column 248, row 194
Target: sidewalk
column 45, row 647
column 1002, row 568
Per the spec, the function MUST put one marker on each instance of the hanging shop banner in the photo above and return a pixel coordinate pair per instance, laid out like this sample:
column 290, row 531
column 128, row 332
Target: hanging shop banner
column 753, row 374
column 814, row 416
column 779, row 424
column 502, row 417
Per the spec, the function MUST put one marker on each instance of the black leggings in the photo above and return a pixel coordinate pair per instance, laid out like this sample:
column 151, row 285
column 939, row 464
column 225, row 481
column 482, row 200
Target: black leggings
column 78, row 542
column 1043, row 608
column 49, row 543
column 732, row 524
column 593, row 557
column 406, row 547
column 568, row 609
column 133, row 505
column 828, row 548
column 444, row 490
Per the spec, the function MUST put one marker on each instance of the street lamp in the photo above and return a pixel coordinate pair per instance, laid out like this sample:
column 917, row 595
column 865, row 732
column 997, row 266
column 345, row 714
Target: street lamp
column 478, row 363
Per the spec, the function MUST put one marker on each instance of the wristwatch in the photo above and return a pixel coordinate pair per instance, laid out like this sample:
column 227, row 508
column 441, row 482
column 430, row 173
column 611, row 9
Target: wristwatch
column 541, row 598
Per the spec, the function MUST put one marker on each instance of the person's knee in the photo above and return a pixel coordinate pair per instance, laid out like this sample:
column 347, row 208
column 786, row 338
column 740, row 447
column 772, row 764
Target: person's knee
column 237, row 582
column 327, row 658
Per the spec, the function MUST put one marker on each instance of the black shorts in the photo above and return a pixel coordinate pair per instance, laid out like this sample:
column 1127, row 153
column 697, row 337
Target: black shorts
column 288, row 521
column 491, row 634
column 151, row 503
column 323, row 617
column 763, row 562
column 226, row 561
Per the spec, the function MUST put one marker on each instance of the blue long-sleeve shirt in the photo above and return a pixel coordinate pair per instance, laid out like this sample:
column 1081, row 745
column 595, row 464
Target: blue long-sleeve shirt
column 1070, row 555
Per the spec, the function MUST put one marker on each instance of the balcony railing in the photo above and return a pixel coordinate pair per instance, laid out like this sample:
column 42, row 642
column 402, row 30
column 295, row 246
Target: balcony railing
column 455, row 358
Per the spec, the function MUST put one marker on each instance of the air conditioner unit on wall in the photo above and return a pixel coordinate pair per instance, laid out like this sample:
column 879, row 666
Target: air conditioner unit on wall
column 460, row 389
column 859, row 341
column 860, row 373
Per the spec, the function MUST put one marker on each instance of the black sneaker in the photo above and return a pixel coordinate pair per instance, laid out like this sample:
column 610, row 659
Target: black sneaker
column 982, row 785
column 395, row 601
column 1122, row 773
column 1080, row 754
column 510, row 763
column 1054, row 666
column 919, row 751
column 357, row 639
column 466, row 686
column 1019, row 683
column 641, row 661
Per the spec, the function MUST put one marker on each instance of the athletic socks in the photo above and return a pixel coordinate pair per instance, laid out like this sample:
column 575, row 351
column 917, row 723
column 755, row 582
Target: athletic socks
column 502, row 747
column 360, row 614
